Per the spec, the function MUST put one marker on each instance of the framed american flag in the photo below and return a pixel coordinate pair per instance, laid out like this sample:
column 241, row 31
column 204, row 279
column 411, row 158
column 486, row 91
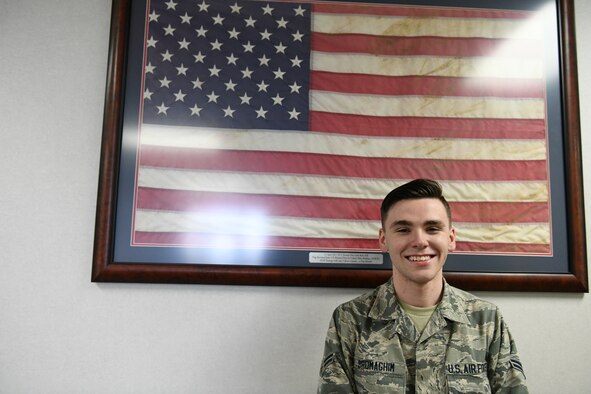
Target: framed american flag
column 251, row 142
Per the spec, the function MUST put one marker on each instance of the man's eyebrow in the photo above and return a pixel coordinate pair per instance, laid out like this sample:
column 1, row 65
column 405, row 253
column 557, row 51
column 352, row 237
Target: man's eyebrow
column 401, row 223
column 426, row 223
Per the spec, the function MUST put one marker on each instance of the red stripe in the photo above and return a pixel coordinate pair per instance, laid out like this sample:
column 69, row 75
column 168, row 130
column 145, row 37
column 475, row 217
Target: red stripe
column 499, row 248
column 237, row 242
column 426, row 85
column 500, row 212
column 271, row 205
column 427, row 127
column 423, row 45
column 400, row 10
column 328, row 208
column 342, row 166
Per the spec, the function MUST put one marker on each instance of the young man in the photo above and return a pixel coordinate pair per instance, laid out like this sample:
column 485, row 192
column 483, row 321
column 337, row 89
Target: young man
column 416, row 333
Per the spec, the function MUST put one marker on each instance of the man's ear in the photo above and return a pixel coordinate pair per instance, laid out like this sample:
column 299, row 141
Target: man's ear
column 452, row 239
column 382, row 240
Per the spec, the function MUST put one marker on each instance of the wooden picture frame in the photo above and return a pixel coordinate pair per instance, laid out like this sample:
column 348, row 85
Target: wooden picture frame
column 107, row 269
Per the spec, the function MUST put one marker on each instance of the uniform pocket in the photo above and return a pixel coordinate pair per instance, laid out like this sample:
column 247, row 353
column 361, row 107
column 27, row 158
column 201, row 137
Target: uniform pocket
column 380, row 377
column 468, row 384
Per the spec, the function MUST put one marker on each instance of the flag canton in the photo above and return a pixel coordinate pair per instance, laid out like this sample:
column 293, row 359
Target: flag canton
column 213, row 63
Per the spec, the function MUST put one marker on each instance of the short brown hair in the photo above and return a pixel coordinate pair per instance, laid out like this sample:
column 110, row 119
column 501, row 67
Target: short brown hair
column 414, row 190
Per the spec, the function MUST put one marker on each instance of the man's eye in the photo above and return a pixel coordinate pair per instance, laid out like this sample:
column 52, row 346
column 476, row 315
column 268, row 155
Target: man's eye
column 402, row 230
column 433, row 229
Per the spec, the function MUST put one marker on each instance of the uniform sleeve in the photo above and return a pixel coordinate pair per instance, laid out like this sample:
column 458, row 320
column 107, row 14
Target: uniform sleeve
column 336, row 372
column 506, row 373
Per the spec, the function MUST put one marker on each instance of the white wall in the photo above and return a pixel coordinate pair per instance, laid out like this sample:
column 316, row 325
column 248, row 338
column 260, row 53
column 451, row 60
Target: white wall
column 60, row 333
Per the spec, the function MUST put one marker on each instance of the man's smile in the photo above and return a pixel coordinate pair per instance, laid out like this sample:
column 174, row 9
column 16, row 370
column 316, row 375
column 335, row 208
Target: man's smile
column 420, row 258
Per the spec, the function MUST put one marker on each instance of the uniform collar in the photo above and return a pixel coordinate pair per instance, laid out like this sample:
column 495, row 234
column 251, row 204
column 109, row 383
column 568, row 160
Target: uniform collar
column 386, row 306
column 453, row 305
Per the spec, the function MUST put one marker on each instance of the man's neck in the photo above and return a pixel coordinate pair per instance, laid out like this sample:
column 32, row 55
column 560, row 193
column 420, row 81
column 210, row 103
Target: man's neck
column 419, row 295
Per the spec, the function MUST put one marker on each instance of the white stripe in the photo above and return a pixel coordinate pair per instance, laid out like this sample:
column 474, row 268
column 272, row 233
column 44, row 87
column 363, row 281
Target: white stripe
column 527, row 233
column 334, row 144
column 240, row 223
column 426, row 26
column 335, row 187
column 434, row 66
column 429, row 106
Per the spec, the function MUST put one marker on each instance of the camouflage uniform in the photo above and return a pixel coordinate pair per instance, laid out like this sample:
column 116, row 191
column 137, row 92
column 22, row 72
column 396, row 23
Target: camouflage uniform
column 372, row 346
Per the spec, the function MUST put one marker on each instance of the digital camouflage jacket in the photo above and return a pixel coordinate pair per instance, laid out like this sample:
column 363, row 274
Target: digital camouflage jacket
column 372, row 346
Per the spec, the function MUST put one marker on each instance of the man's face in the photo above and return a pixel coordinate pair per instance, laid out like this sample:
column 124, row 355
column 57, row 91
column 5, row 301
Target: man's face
column 418, row 237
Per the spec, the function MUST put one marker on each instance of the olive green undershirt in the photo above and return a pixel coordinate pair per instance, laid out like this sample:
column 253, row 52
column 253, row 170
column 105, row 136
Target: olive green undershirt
column 419, row 316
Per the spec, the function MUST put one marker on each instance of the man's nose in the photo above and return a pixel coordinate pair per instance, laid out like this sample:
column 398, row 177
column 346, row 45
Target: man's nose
column 419, row 239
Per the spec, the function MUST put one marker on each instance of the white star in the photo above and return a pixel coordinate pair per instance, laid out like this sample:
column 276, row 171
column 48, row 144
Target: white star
column 153, row 16
column 280, row 48
column 229, row 112
column 150, row 68
column 167, row 56
column 246, row 73
column 264, row 61
column 217, row 20
column 297, row 36
column 148, row 94
column 151, row 42
column 295, row 62
column 261, row 113
column 186, row 19
column 295, row 88
column 169, row 31
column 232, row 59
column 179, row 96
column 162, row 109
column 216, row 46
column 230, row 85
column 212, row 97
column 267, row 10
column 250, row 22
column 245, row 99
column 265, row 35
column 195, row 110
column 197, row 83
column 181, row 70
column 248, row 47
column 278, row 73
column 201, row 32
column 184, row 44
column 203, row 6
column 277, row 100
column 199, row 57
column 170, row 5
column 235, row 8
column 299, row 11
column 262, row 86
column 233, row 33
column 281, row 23
column 293, row 114
column 214, row 71
column 164, row 82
